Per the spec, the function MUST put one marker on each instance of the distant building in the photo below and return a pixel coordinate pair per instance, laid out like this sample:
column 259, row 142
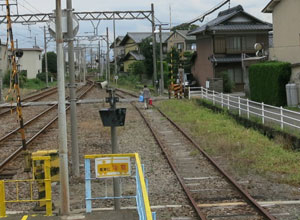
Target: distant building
column 31, row 61
column 131, row 42
column 181, row 41
column 3, row 60
column 286, row 33
column 223, row 41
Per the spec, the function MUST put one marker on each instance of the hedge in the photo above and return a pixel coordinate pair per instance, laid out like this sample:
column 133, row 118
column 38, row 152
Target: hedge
column 267, row 82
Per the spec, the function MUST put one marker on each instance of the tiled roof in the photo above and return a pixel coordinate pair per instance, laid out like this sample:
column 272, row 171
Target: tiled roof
column 137, row 37
column 184, row 34
column 219, row 23
column 230, row 59
column 241, row 27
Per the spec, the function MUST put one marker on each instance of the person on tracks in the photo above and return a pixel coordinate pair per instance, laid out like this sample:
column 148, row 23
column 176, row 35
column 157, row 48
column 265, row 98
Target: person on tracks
column 146, row 95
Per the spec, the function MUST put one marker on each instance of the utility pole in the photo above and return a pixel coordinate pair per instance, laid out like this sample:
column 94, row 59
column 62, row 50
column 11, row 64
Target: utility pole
column 46, row 56
column 74, row 141
column 161, row 64
column 107, row 56
column 99, row 59
column 115, row 45
column 154, row 48
column 62, row 122
column 91, row 58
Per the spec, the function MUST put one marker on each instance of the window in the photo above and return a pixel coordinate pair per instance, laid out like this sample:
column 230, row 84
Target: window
column 220, row 45
column 192, row 47
column 233, row 44
column 248, row 43
column 236, row 75
column 180, row 46
column 40, row 57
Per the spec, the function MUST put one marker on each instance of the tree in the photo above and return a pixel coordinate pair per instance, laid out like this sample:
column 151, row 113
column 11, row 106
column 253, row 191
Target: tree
column 188, row 27
column 147, row 51
column 52, row 63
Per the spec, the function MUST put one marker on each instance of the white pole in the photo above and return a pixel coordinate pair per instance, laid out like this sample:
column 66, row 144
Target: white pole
column 62, row 123
column 248, row 113
column 222, row 103
column 213, row 97
column 189, row 90
column 281, row 117
column 240, row 106
column 228, row 107
column 263, row 113
column 202, row 92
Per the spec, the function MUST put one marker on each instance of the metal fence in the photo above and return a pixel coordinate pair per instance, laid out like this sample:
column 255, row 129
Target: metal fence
column 245, row 107
column 141, row 197
column 17, row 199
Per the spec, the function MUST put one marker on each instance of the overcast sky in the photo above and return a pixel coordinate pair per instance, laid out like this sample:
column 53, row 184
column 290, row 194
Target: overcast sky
column 182, row 11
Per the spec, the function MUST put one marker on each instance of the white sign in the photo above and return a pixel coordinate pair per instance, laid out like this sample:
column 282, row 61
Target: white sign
column 207, row 84
column 112, row 167
column 116, row 77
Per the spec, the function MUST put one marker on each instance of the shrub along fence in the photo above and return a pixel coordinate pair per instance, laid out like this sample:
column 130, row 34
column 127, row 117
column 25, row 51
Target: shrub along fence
column 267, row 82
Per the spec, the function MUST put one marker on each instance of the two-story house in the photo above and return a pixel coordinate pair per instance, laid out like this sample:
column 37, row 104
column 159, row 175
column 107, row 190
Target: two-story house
column 222, row 41
column 131, row 42
column 181, row 41
column 286, row 33
column 120, row 50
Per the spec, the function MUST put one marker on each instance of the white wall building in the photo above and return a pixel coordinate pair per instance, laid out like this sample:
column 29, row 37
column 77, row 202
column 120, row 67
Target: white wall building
column 31, row 61
column 3, row 60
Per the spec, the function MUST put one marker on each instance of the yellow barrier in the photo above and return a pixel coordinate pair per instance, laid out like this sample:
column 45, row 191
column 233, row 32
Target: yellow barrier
column 141, row 175
column 47, row 181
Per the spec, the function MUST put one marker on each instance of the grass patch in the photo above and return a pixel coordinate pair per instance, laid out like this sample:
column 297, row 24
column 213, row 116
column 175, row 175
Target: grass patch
column 246, row 149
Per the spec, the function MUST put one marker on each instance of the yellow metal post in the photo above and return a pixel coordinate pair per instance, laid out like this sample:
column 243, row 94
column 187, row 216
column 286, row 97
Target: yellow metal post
column 2, row 200
column 48, row 198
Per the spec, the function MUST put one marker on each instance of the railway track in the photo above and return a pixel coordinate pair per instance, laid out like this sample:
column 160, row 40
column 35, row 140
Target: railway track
column 32, row 98
column 211, row 191
column 10, row 143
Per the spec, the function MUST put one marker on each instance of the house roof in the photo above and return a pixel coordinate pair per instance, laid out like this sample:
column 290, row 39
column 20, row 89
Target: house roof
column 228, row 59
column 135, row 54
column 221, row 23
column 137, row 37
column 119, row 38
column 30, row 49
column 183, row 33
column 270, row 6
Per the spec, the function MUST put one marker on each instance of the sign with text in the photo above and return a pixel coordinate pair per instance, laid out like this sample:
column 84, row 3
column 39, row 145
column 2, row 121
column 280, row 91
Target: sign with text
column 112, row 167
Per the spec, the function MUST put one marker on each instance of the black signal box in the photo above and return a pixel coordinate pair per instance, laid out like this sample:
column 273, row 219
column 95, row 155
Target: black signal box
column 113, row 117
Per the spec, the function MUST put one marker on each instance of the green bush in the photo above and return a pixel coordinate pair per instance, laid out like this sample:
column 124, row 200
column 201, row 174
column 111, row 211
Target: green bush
column 42, row 76
column 22, row 78
column 228, row 85
column 267, row 82
column 137, row 68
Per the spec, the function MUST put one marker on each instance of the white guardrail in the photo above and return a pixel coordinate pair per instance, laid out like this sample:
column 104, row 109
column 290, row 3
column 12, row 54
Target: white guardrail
column 246, row 107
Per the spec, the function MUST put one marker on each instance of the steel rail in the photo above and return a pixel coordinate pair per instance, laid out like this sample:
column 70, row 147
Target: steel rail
column 36, row 98
column 19, row 149
column 173, row 166
column 244, row 193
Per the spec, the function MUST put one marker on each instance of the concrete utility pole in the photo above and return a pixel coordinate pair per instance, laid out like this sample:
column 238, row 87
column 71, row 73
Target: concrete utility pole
column 46, row 56
column 115, row 49
column 107, row 56
column 62, row 122
column 74, row 141
column 161, row 63
column 154, row 48
column 91, row 58
column 99, row 59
